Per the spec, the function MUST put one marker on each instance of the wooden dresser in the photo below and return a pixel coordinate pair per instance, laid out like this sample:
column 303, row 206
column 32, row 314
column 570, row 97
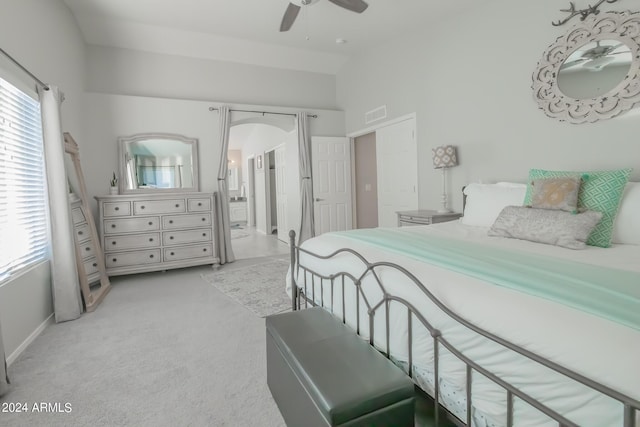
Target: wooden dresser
column 151, row 232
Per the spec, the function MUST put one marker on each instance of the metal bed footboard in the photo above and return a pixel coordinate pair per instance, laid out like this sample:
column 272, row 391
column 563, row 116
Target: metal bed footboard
column 304, row 296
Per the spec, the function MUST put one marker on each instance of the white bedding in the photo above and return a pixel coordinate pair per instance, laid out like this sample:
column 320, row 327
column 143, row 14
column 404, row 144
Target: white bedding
column 598, row 348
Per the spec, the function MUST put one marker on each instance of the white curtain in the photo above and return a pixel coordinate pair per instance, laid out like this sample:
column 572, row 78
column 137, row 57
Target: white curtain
column 67, row 302
column 225, row 252
column 4, row 377
column 307, row 227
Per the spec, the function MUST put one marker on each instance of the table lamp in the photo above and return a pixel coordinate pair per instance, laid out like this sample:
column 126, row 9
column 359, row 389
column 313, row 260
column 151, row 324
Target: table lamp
column 444, row 157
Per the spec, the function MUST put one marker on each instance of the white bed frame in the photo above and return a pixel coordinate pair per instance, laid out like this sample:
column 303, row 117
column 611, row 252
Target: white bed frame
column 303, row 295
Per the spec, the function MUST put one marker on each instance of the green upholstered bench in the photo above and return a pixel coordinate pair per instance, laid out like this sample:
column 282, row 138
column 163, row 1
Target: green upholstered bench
column 321, row 373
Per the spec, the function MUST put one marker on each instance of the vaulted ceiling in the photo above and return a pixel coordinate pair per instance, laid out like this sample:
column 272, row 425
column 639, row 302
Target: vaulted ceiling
column 247, row 31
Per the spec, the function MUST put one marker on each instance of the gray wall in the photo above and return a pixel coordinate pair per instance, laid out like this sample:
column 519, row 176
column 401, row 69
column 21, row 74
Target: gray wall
column 129, row 72
column 43, row 36
column 469, row 81
column 109, row 116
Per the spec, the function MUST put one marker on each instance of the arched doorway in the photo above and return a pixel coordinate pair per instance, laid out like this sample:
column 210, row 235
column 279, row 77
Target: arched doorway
column 265, row 201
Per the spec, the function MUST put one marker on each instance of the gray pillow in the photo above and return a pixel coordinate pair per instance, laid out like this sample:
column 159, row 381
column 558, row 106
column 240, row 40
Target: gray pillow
column 556, row 193
column 552, row 227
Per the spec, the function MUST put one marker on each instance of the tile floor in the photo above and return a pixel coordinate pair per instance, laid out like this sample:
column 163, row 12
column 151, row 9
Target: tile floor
column 247, row 242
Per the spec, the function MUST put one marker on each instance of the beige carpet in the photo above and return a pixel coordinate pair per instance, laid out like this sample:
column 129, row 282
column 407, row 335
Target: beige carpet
column 163, row 349
column 258, row 285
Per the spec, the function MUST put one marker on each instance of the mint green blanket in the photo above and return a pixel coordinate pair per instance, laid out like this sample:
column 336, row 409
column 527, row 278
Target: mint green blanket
column 606, row 292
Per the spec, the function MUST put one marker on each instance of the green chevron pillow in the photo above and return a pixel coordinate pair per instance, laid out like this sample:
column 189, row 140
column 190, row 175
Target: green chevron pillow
column 600, row 191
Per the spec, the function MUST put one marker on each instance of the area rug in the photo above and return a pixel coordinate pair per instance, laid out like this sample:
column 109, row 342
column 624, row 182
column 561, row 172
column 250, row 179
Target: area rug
column 259, row 286
column 238, row 233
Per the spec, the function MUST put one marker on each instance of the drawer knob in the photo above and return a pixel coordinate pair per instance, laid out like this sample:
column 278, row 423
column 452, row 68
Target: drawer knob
column 80, row 233
column 151, row 256
column 204, row 219
column 170, row 237
column 113, row 243
column 115, row 259
column 204, row 250
column 151, row 239
column 170, row 221
column 95, row 264
column 142, row 207
column 204, row 234
column 177, row 205
column 173, row 253
column 113, row 226
column 117, row 208
column 88, row 248
column 199, row 203
column 150, row 223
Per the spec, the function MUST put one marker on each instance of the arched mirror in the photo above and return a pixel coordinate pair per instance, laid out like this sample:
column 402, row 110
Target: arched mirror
column 155, row 162
column 592, row 72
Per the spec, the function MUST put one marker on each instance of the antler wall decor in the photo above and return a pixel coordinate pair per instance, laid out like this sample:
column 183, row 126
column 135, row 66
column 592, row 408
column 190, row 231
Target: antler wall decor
column 582, row 12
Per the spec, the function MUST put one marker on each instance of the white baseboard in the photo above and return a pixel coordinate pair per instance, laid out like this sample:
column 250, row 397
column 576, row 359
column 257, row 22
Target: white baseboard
column 22, row 347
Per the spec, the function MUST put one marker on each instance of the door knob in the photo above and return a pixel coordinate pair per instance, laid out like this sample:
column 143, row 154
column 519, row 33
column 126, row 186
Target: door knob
column 319, row 199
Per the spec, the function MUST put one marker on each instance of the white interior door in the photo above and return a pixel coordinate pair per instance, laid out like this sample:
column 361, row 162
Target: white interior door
column 397, row 164
column 331, row 158
column 281, row 192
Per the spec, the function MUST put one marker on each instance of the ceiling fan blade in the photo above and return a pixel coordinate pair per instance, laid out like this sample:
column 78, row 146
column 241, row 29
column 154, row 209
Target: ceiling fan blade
column 572, row 63
column 357, row 6
column 289, row 17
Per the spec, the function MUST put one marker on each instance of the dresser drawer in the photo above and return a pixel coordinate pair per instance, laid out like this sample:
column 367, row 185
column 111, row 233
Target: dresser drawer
column 90, row 266
column 127, row 225
column 77, row 216
column 82, row 232
column 186, row 236
column 125, row 259
column 199, row 205
column 412, row 220
column 131, row 241
column 186, row 221
column 112, row 209
column 86, row 249
column 158, row 206
column 188, row 252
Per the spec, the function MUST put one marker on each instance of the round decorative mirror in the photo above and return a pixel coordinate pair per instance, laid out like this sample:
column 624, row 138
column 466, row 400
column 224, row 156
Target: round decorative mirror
column 592, row 72
column 594, row 69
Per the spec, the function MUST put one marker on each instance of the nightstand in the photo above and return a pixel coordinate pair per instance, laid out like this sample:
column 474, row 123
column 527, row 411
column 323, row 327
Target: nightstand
column 424, row 217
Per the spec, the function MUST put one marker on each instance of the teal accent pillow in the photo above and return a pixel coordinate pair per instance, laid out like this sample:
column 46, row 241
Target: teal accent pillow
column 601, row 191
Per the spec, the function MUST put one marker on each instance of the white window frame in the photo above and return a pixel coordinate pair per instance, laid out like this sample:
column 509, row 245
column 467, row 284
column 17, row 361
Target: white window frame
column 24, row 215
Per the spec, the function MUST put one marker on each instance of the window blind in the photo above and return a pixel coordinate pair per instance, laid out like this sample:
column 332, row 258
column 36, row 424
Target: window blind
column 23, row 197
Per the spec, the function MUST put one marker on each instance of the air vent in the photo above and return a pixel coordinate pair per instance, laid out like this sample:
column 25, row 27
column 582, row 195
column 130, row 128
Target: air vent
column 375, row 115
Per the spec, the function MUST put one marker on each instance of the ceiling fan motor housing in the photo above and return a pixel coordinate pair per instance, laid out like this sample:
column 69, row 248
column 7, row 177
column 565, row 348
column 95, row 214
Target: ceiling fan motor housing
column 304, row 2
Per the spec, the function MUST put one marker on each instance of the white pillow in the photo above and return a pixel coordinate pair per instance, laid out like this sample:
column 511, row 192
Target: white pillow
column 626, row 228
column 510, row 184
column 486, row 201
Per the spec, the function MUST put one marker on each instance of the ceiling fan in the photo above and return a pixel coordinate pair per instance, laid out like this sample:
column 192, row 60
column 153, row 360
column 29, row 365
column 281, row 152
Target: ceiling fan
column 294, row 7
column 596, row 58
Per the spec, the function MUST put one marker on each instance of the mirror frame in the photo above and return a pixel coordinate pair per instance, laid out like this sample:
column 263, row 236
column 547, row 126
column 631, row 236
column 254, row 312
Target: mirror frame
column 124, row 140
column 621, row 26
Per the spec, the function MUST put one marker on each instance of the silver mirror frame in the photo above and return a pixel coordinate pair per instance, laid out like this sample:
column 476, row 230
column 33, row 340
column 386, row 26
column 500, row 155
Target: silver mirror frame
column 621, row 26
column 123, row 140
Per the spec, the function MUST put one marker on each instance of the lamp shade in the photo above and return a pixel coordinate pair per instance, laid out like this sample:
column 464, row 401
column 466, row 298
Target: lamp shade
column 444, row 156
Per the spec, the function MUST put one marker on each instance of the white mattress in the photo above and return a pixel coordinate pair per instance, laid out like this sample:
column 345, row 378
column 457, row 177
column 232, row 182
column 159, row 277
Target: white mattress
column 595, row 347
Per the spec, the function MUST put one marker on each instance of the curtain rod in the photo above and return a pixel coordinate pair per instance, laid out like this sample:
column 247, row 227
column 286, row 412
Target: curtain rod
column 315, row 116
column 44, row 86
